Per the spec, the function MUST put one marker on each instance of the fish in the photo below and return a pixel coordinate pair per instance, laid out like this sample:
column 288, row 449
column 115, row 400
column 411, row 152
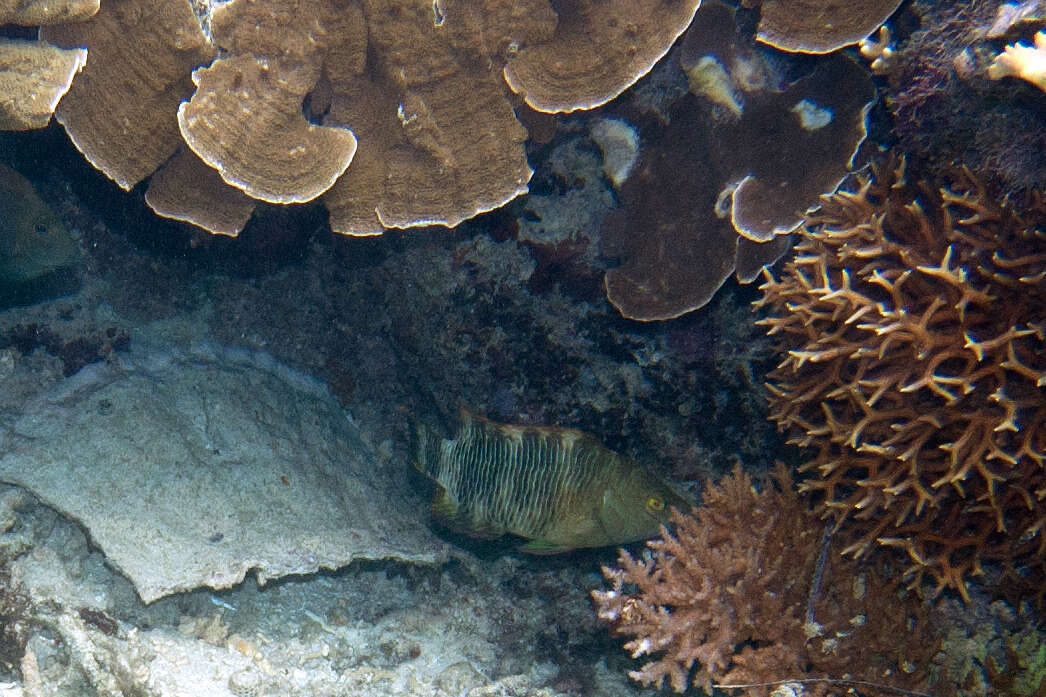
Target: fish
column 33, row 239
column 558, row 488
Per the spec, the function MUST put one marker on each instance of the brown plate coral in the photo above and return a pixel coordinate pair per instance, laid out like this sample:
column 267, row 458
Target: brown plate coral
column 717, row 190
column 408, row 115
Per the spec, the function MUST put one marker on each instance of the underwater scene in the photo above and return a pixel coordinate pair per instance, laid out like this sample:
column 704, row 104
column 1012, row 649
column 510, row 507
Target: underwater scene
column 522, row 348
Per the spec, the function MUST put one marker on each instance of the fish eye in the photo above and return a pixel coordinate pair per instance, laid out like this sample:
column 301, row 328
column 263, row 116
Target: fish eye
column 41, row 229
column 655, row 504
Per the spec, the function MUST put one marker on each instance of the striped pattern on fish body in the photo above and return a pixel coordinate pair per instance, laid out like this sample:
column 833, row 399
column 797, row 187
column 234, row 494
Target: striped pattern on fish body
column 558, row 487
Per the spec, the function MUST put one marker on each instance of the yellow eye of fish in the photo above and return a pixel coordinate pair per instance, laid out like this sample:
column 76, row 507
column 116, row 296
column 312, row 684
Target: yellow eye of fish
column 655, row 504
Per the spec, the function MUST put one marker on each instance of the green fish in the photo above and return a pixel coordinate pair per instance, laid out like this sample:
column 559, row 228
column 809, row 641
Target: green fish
column 33, row 239
column 559, row 488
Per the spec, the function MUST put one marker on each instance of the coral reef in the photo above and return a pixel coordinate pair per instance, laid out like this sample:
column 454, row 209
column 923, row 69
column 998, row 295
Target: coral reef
column 749, row 592
column 718, row 187
column 33, row 77
column 1023, row 61
column 944, row 105
column 820, row 26
column 409, row 115
column 912, row 328
column 433, row 318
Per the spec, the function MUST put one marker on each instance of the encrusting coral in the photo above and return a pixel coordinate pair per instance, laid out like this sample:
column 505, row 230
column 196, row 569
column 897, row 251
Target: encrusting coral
column 750, row 592
column 912, row 322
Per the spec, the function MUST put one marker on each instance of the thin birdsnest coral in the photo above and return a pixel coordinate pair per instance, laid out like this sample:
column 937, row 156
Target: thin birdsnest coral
column 913, row 325
column 749, row 593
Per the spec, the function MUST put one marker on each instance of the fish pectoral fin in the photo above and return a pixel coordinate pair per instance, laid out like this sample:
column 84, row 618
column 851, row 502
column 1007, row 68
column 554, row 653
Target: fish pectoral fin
column 444, row 507
column 447, row 514
column 543, row 547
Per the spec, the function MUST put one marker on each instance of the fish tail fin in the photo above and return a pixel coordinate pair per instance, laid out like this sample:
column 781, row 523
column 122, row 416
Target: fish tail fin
column 425, row 447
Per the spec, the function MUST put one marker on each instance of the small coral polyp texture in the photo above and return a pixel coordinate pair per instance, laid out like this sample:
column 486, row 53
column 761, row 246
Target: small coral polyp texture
column 912, row 322
column 749, row 593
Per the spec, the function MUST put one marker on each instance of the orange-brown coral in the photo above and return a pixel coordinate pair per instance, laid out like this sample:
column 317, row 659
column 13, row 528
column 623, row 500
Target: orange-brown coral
column 913, row 325
column 751, row 592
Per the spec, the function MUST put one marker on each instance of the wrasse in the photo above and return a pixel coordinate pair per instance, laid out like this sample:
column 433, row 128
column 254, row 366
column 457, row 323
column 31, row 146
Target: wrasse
column 559, row 488
column 33, row 239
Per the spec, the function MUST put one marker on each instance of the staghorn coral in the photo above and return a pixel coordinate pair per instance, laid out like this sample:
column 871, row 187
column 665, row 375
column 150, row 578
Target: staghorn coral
column 750, row 591
column 912, row 322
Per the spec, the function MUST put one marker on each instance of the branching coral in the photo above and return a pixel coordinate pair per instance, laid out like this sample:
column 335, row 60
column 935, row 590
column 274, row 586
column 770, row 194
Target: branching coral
column 750, row 590
column 913, row 327
column 1023, row 61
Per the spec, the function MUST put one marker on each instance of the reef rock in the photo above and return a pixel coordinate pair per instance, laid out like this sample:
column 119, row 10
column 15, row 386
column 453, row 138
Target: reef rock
column 190, row 468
